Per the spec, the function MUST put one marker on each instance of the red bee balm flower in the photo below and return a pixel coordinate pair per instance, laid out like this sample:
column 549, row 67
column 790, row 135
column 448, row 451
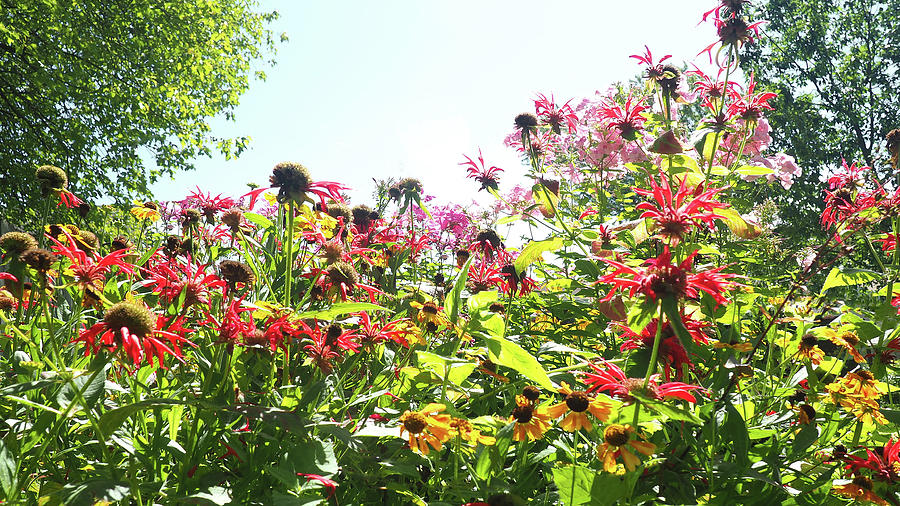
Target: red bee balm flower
column 487, row 176
column 614, row 381
column 674, row 215
column 135, row 329
column 659, row 278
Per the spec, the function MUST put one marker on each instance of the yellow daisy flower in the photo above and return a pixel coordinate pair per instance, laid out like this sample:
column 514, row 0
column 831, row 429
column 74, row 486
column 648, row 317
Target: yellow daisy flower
column 616, row 439
column 576, row 406
column 145, row 210
column 531, row 421
column 845, row 339
column 426, row 427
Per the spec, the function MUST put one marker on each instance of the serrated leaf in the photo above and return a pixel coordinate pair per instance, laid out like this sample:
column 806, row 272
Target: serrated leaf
column 533, row 250
column 848, row 277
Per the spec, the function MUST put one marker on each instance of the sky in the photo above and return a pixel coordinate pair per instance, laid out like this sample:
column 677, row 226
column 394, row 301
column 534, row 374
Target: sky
column 367, row 90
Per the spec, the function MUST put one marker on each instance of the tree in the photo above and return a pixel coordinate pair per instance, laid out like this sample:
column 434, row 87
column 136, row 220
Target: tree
column 118, row 93
column 834, row 65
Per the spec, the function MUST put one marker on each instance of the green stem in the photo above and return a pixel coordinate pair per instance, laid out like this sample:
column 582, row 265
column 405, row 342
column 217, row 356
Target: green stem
column 654, row 354
column 288, row 256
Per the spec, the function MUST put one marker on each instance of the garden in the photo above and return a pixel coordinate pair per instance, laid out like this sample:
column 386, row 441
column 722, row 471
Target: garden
column 628, row 328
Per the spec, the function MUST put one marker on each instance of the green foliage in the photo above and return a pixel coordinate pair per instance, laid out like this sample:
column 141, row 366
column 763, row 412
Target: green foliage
column 835, row 66
column 118, row 94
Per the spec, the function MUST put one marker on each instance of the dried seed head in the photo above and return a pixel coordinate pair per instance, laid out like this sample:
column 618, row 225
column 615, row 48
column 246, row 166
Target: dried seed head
column 15, row 243
column 190, row 217
column 119, row 243
column 342, row 272
column 38, row 259
column 234, row 272
column 139, row 320
column 489, row 236
column 337, row 210
column 232, row 218
column 52, row 177
column 292, row 180
column 332, row 333
column 526, row 121
column 362, row 216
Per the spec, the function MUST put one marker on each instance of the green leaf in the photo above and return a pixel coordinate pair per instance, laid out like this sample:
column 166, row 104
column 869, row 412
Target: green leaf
column 738, row 225
column 258, row 220
column 580, row 485
column 735, row 430
column 459, row 370
column 91, row 392
column 112, row 419
column 754, row 170
column 509, row 219
column 341, row 308
column 8, row 470
column 671, row 411
column 482, row 300
column 509, row 354
column 848, row 277
column 533, row 250
column 547, row 200
column 454, row 298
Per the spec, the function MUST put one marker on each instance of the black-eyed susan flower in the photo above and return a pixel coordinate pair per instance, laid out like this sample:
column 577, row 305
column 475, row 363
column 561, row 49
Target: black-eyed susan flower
column 806, row 414
column 858, row 393
column 426, row 427
column 531, row 421
column 616, row 439
column 576, row 406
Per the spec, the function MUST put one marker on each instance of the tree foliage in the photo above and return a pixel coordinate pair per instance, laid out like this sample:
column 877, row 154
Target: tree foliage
column 834, row 65
column 118, row 93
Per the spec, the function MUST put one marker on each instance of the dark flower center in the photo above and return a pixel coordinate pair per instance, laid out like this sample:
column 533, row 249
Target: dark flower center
column 523, row 414
column 667, row 281
column 415, row 423
column 616, row 435
column 578, row 401
column 136, row 318
column 531, row 392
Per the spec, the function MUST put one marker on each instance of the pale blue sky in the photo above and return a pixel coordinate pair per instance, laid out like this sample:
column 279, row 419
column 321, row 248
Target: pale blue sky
column 378, row 89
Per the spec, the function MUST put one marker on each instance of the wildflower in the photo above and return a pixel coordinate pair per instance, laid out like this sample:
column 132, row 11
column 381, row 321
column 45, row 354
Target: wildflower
column 531, row 421
column 326, row 348
column 531, row 392
column 575, row 408
column 371, row 333
column 294, row 183
column 468, row 432
column 613, row 380
column 655, row 71
column 339, row 210
column 749, row 107
column 554, row 115
column 343, row 276
column 672, row 354
column 362, row 217
column 233, row 219
column 88, row 271
column 68, row 199
column 146, row 211
column 859, row 489
column 809, row 349
column 806, row 414
column 426, row 427
column 487, row 176
column 884, row 467
column 209, row 205
column 488, row 242
column 628, row 120
column 328, row 483
column 527, row 124
column 846, row 339
column 661, row 279
column 858, row 393
column 131, row 327
column 616, row 439
column 429, row 312
column 177, row 282
column 673, row 216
